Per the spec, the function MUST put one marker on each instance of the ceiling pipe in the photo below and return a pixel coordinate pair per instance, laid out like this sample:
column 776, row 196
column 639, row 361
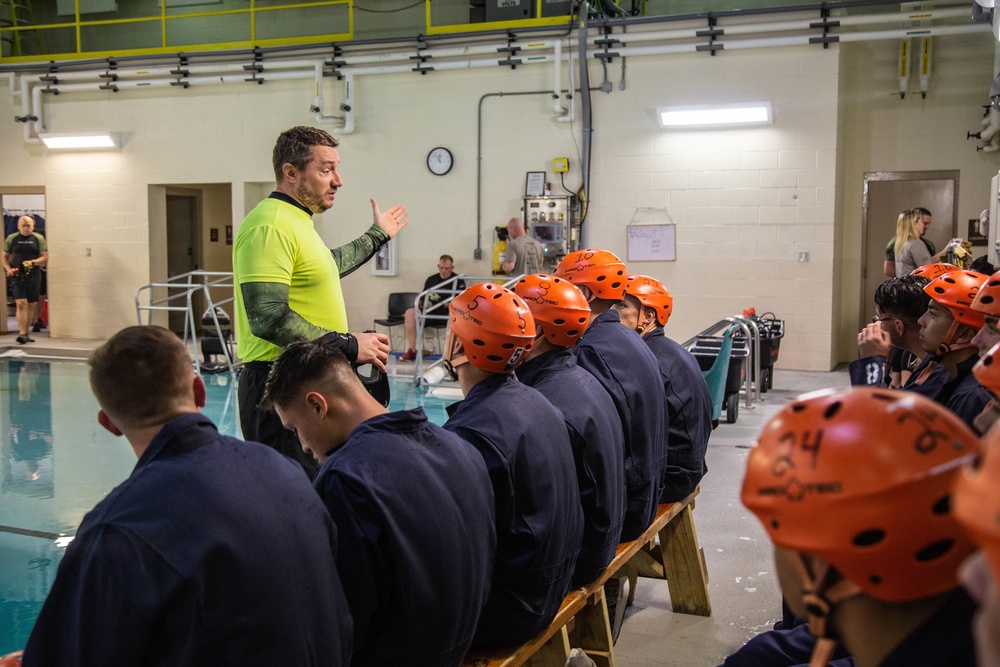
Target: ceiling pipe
column 259, row 71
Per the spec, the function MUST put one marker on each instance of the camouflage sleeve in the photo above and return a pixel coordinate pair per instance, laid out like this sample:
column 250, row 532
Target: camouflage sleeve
column 270, row 318
column 352, row 255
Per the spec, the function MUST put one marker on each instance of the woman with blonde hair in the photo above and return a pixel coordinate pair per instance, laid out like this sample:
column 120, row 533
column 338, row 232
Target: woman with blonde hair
column 911, row 251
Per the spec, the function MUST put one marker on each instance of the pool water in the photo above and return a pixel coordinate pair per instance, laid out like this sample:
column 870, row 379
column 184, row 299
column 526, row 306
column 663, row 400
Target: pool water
column 57, row 462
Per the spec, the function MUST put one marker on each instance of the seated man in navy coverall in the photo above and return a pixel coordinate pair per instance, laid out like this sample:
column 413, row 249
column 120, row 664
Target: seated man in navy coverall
column 645, row 309
column 213, row 552
column 899, row 303
column 561, row 316
column 870, row 558
column 523, row 439
column 412, row 505
column 628, row 371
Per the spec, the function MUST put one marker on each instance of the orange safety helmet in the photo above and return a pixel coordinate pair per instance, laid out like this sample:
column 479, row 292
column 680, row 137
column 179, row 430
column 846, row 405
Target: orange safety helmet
column 862, row 479
column 557, row 305
column 956, row 291
column 494, row 325
column 652, row 294
column 599, row 270
column 987, row 300
column 987, row 370
column 976, row 503
column 933, row 270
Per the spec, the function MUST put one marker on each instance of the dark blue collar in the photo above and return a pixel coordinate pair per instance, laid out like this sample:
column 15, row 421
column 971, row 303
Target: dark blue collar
column 281, row 196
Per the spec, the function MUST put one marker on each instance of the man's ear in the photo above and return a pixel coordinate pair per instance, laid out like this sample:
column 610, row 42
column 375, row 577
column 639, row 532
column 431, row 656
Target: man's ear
column 648, row 317
column 289, row 171
column 104, row 420
column 964, row 334
column 317, row 404
column 200, row 392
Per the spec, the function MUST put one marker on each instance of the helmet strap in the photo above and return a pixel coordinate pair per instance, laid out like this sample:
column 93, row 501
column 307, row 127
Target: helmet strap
column 947, row 345
column 821, row 593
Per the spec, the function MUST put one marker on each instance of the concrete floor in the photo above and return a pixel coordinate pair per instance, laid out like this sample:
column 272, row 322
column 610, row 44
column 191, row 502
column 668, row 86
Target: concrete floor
column 742, row 584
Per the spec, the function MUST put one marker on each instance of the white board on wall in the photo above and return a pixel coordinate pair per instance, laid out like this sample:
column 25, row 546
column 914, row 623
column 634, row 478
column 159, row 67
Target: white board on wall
column 652, row 243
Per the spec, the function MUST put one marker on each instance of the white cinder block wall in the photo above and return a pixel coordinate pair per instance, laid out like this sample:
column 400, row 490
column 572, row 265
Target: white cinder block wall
column 744, row 201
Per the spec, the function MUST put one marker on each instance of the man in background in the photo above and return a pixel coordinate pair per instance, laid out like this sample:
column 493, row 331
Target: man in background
column 24, row 254
column 524, row 254
column 434, row 304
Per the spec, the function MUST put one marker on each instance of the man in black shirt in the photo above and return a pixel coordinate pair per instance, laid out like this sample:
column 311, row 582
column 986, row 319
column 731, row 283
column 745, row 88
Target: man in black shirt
column 433, row 304
column 24, row 253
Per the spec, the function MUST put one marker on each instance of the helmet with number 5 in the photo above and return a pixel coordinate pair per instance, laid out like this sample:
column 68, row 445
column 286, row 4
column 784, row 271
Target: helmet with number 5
column 494, row 325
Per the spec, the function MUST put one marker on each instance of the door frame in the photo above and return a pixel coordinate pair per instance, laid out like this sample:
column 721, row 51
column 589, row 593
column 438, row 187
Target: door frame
column 869, row 176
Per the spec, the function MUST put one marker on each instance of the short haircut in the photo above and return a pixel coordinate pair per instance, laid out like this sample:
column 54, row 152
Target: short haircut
column 141, row 376
column 446, row 258
column 924, row 211
column 903, row 297
column 295, row 146
column 306, row 363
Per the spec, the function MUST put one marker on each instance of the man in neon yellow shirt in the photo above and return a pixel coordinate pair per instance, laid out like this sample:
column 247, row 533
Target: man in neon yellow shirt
column 288, row 282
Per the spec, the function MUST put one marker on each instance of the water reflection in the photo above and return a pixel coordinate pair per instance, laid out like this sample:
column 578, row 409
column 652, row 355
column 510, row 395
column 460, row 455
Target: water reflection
column 26, row 458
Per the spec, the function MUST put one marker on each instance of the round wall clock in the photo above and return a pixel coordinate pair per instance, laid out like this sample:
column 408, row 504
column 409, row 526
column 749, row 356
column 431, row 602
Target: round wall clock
column 440, row 161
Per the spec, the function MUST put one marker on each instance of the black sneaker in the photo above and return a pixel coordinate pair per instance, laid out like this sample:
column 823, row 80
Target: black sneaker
column 29, row 338
column 22, row 339
column 37, row 327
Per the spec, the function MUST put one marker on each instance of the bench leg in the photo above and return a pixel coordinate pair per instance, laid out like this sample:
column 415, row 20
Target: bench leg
column 684, row 566
column 593, row 631
column 552, row 653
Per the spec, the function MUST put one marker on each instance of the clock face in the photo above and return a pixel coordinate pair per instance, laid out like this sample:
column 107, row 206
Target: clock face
column 439, row 161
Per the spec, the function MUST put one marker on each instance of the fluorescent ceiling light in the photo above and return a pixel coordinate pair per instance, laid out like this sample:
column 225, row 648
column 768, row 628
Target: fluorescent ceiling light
column 79, row 140
column 753, row 113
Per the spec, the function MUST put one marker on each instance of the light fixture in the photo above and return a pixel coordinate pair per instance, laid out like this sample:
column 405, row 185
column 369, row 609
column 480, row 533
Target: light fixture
column 749, row 113
column 79, row 140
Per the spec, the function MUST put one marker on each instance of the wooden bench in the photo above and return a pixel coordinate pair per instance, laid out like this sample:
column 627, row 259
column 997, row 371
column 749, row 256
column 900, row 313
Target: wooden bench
column 582, row 621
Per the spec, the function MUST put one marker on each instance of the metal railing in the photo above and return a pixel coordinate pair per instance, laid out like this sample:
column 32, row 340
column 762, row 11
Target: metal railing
column 180, row 291
column 751, row 363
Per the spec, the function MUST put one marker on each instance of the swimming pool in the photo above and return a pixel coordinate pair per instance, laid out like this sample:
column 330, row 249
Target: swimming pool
column 56, row 463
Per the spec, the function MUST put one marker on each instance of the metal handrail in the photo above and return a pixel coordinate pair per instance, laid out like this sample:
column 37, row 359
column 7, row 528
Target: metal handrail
column 189, row 283
column 747, row 381
column 756, row 353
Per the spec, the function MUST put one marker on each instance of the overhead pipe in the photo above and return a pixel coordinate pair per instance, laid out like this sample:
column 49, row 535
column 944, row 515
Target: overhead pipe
column 588, row 128
column 903, row 67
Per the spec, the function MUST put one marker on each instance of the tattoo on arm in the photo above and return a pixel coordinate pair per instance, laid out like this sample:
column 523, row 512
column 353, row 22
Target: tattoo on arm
column 354, row 254
column 270, row 317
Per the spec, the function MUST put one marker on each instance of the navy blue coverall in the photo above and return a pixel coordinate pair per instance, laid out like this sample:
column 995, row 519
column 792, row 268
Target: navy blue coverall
column 689, row 415
column 595, row 432
column 628, row 371
column 414, row 513
column 213, row 552
column 539, row 520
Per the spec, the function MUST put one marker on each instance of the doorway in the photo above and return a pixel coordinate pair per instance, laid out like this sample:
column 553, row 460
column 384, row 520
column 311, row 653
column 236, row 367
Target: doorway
column 887, row 194
column 183, row 250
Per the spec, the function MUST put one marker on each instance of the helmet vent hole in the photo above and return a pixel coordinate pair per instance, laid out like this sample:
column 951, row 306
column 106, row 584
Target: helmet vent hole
column 888, row 398
column 875, row 579
column 508, row 346
column 601, row 278
column 582, row 320
column 498, row 295
column 869, row 537
column 774, row 524
column 572, row 332
column 942, row 506
column 986, row 299
column 494, row 357
column 935, row 550
column 832, row 410
column 987, row 361
column 616, row 285
column 798, row 407
column 559, row 322
column 479, row 343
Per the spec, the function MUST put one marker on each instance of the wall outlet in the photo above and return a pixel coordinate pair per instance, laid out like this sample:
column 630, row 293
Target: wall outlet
column 803, row 256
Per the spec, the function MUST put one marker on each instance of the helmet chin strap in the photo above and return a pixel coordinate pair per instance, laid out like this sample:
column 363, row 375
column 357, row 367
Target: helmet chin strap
column 947, row 345
column 820, row 594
